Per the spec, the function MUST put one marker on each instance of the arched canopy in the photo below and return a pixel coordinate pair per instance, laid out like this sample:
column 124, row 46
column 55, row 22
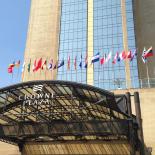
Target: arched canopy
column 59, row 108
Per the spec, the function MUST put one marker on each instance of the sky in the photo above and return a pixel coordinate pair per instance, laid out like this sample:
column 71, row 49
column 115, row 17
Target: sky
column 14, row 18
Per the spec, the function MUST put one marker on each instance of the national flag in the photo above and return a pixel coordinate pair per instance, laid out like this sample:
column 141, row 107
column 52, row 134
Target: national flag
column 143, row 55
column 129, row 55
column 61, row 64
column 108, row 57
column 86, row 61
column 50, row 64
column 95, row 58
column 115, row 58
column 34, row 65
column 133, row 55
column 75, row 62
column 11, row 65
column 44, row 65
column 56, row 65
column 102, row 60
column 122, row 56
column 39, row 64
column 17, row 64
column 148, row 53
column 29, row 66
column 10, row 69
column 80, row 65
column 68, row 63
column 23, row 67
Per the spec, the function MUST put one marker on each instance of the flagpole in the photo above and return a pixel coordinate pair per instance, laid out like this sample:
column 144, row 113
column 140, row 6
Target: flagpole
column 12, row 77
column 18, row 72
column 148, row 77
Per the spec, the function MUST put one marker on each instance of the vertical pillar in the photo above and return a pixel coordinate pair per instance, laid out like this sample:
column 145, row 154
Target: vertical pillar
column 90, row 39
column 42, row 38
column 131, row 133
column 128, row 96
column 139, row 121
column 125, row 43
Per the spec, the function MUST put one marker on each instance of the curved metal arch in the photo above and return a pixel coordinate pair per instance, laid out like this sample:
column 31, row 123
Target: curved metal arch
column 11, row 91
column 75, row 110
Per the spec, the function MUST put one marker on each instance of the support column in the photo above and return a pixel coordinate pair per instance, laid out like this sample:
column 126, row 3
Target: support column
column 42, row 38
column 128, row 96
column 139, row 121
column 125, row 43
column 90, row 39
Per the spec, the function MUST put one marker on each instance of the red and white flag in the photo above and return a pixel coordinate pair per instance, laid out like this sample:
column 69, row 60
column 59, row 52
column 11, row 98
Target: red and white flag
column 10, row 69
column 115, row 58
column 44, row 65
column 148, row 53
column 34, row 65
column 129, row 55
column 122, row 56
column 108, row 57
column 102, row 60
column 39, row 64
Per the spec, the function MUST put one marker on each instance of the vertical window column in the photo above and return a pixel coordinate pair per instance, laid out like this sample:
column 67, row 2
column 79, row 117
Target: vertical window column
column 90, row 46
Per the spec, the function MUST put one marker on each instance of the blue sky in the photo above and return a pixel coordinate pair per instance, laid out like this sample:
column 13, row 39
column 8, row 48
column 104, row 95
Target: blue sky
column 14, row 16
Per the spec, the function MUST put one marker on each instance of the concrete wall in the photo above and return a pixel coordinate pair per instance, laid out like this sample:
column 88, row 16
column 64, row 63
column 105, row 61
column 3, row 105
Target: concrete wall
column 8, row 149
column 43, row 37
column 147, row 99
column 144, row 13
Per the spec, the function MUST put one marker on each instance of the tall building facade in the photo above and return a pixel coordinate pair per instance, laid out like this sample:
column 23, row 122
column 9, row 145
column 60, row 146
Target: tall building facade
column 89, row 27
column 63, row 29
column 78, row 29
column 144, row 31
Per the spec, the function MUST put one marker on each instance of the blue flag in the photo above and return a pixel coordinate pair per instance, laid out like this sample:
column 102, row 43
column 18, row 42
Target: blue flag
column 61, row 64
column 95, row 58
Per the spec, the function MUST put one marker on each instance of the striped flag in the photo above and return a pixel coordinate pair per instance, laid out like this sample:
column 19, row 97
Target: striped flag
column 148, row 53
column 133, row 55
column 44, row 65
column 108, row 57
column 115, row 58
column 122, row 56
column 95, row 58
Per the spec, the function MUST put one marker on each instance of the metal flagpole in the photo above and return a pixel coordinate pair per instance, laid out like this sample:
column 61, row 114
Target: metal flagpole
column 148, row 78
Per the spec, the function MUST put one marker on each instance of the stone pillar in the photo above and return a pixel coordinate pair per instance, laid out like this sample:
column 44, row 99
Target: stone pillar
column 42, row 38
column 90, row 39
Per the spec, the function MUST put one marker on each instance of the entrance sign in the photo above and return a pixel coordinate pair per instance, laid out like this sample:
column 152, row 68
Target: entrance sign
column 39, row 97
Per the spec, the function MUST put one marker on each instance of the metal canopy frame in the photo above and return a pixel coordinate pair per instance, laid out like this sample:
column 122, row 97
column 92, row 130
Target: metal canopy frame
column 76, row 112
